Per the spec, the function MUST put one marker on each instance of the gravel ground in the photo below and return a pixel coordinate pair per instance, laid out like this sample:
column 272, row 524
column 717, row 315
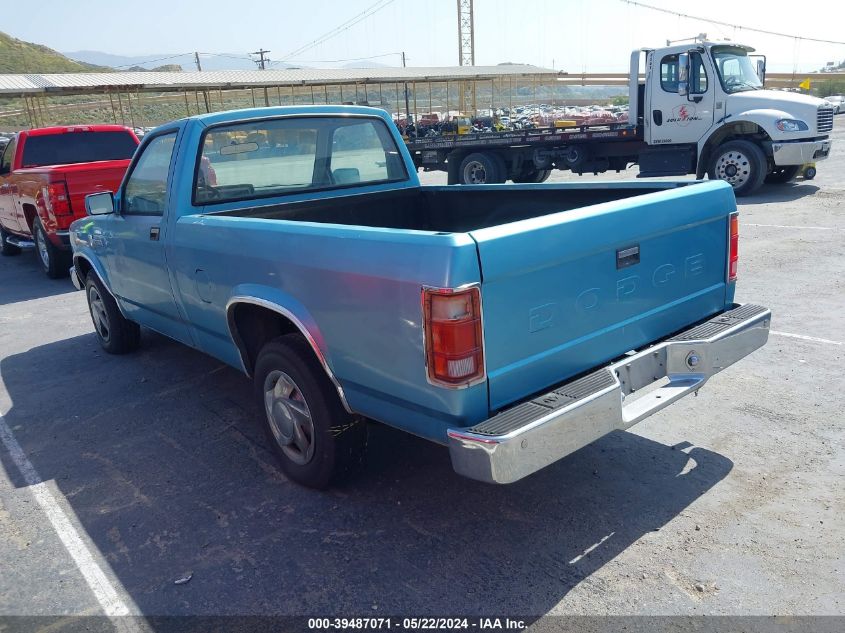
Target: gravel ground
column 728, row 503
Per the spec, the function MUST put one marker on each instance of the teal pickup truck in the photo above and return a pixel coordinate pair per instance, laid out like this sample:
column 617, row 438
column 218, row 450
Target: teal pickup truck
column 513, row 323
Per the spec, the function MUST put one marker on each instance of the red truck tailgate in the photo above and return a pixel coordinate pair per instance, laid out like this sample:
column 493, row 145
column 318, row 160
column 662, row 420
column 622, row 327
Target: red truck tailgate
column 87, row 178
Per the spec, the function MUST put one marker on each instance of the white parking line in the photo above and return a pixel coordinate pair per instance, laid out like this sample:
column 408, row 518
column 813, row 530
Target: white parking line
column 103, row 590
column 788, row 226
column 803, row 337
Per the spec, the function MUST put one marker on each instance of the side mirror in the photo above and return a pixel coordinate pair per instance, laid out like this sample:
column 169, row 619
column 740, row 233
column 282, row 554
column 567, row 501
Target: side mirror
column 683, row 74
column 101, row 203
column 761, row 69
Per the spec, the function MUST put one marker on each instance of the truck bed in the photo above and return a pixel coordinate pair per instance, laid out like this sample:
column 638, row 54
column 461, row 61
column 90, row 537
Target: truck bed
column 451, row 209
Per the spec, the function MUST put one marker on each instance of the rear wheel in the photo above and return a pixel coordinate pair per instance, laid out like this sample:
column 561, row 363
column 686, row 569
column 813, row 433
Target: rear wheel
column 117, row 335
column 533, row 175
column 740, row 163
column 482, row 168
column 54, row 261
column 6, row 248
column 783, row 174
column 314, row 438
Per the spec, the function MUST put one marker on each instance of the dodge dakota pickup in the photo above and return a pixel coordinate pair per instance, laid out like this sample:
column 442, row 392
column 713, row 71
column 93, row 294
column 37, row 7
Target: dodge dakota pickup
column 45, row 175
column 512, row 323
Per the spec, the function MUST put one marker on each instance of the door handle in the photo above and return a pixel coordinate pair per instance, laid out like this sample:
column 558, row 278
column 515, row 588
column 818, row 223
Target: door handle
column 154, row 233
column 657, row 116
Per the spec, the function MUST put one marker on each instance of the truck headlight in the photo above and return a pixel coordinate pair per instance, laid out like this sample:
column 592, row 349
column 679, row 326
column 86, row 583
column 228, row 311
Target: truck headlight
column 791, row 125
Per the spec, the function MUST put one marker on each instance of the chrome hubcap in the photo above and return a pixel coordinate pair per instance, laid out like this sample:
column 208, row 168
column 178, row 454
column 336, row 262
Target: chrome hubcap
column 475, row 174
column 289, row 417
column 733, row 167
column 41, row 244
column 98, row 314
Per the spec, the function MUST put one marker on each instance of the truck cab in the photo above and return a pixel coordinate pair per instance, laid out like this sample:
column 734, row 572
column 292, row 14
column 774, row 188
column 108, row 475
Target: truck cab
column 703, row 109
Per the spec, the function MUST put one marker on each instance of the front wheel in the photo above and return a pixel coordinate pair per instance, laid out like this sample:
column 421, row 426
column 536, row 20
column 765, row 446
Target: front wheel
column 314, row 438
column 117, row 335
column 6, row 248
column 740, row 163
column 54, row 261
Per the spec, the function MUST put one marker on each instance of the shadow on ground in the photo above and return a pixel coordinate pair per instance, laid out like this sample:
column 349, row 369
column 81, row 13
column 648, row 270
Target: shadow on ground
column 162, row 460
column 781, row 192
column 22, row 279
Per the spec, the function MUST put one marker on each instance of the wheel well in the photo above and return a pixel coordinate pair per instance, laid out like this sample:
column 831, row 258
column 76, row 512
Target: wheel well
column 29, row 213
column 252, row 326
column 738, row 130
column 83, row 267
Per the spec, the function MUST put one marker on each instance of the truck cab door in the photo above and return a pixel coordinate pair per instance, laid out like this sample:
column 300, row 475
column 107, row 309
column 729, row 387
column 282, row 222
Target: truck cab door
column 8, row 217
column 675, row 117
column 141, row 276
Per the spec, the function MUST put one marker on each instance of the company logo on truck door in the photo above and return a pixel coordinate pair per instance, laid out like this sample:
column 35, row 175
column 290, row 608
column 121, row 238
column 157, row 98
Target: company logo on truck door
column 683, row 115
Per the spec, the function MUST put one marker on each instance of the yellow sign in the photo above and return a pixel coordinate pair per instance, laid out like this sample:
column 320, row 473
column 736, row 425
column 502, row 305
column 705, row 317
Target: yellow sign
column 805, row 84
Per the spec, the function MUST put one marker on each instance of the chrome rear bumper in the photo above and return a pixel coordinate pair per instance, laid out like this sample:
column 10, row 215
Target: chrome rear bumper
column 534, row 434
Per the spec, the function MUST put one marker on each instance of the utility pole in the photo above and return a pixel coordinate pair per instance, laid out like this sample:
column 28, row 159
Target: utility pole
column 407, row 103
column 466, row 33
column 197, row 60
column 261, row 61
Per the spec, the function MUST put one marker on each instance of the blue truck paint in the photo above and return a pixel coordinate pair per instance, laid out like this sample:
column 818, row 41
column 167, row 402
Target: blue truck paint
column 356, row 289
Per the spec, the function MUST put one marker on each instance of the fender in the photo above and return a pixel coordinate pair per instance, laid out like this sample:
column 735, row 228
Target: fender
column 762, row 118
column 288, row 307
column 98, row 269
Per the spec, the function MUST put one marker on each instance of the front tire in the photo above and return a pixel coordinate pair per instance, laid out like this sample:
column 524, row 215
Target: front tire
column 780, row 175
column 117, row 335
column 314, row 438
column 6, row 248
column 740, row 163
column 54, row 261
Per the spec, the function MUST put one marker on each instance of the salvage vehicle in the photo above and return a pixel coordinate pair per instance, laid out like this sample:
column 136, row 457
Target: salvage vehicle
column 513, row 323
column 699, row 109
column 45, row 175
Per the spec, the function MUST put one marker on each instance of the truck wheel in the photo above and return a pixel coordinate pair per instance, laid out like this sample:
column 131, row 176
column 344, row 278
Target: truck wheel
column 482, row 168
column 783, row 174
column 116, row 334
column 809, row 173
column 533, row 176
column 54, row 261
column 741, row 163
column 315, row 440
column 6, row 248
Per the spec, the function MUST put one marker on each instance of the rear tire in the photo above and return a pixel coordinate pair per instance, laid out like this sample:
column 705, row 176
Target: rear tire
column 314, row 438
column 740, row 163
column 117, row 335
column 533, row 175
column 6, row 248
column 54, row 261
column 482, row 168
column 781, row 175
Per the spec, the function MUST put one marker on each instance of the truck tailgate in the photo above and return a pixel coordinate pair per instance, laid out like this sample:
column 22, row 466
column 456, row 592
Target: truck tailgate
column 88, row 178
column 566, row 292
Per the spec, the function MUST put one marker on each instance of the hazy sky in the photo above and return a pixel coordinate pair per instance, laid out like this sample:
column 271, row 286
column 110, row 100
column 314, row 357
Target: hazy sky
column 574, row 35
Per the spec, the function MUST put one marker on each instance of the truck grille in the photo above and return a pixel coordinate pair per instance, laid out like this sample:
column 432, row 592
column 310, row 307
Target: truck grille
column 824, row 119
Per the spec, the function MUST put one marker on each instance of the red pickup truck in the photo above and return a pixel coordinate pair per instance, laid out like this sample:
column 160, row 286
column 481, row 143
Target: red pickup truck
column 45, row 175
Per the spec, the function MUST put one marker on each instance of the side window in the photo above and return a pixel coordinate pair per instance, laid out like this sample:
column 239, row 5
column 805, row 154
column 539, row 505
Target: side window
column 146, row 188
column 357, row 154
column 698, row 75
column 6, row 158
column 669, row 73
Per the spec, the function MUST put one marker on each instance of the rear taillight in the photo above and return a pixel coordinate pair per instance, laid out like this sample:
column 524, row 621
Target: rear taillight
column 733, row 246
column 454, row 348
column 57, row 198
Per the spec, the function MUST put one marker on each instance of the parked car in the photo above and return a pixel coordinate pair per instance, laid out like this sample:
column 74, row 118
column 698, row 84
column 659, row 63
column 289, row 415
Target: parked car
column 513, row 323
column 838, row 103
column 45, row 175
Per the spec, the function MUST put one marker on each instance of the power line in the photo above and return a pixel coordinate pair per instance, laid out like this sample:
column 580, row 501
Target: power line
column 727, row 24
column 335, row 61
column 369, row 11
column 152, row 61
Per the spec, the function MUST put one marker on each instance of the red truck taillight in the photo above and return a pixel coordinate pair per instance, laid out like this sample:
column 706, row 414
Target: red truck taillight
column 454, row 346
column 733, row 246
column 57, row 198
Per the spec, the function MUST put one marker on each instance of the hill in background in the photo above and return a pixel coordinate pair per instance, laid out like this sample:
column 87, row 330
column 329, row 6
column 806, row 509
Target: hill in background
column 17, row 56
